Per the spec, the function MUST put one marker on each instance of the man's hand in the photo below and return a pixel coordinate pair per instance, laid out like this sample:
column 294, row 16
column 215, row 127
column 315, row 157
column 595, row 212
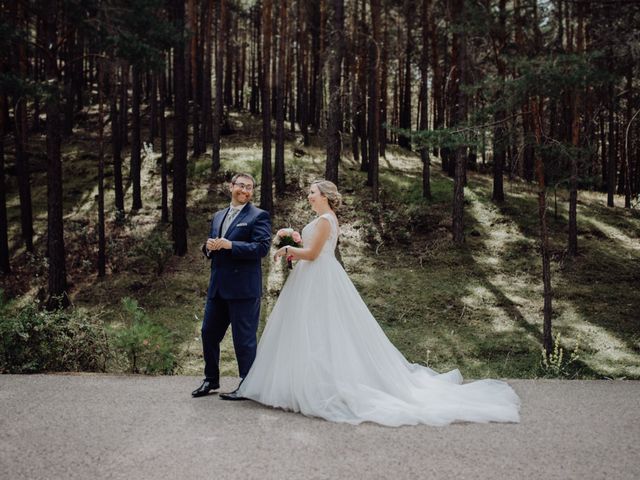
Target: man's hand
column 214, row 244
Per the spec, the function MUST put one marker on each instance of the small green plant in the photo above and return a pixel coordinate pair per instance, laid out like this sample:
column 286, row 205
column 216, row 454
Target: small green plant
column 157, row 248
column 556, row 364
column 36, row 340
column 148, row 347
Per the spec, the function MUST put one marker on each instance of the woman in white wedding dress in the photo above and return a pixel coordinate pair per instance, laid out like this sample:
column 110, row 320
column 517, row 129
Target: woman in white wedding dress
column 323, row 354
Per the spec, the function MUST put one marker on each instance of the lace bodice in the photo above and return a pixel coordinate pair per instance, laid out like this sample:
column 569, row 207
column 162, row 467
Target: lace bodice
column 309, row 231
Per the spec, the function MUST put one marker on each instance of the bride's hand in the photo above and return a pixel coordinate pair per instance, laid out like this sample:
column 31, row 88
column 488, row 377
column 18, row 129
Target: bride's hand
column 281, row 252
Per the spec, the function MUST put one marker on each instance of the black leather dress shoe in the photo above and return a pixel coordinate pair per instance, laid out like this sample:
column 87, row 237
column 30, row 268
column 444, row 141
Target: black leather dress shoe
column 233, row 396
column 205, row 388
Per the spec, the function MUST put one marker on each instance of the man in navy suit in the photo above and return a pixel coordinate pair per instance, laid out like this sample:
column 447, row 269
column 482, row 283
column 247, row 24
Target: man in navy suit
column 240, row 236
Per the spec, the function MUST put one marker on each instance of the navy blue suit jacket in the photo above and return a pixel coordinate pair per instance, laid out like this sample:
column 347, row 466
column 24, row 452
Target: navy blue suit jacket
column 237, row 273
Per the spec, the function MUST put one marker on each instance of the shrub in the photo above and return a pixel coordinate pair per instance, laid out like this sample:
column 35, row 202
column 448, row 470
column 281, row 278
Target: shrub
column 157, row 248
column 148, row 347
column 557, row 364
column 35, row 340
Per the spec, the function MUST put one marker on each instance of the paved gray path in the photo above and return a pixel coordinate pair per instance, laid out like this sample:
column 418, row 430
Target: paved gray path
column 134, row 427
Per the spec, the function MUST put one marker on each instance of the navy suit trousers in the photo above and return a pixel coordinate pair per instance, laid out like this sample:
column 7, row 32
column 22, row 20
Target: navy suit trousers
column 243, row 315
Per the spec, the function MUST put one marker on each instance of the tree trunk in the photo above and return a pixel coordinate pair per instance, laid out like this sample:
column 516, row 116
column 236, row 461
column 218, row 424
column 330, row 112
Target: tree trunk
column 500, row 140
column 23, row 173
column 164, row 202
column 266, row 194
column 256, row 61
column 206, row 117
column 405, row 106
column 135, row 139
column 101, row 233
column 5, row 267
column 437, row 83
column 197, row 81
column 69, row 62
column 384, row 77
column 611, row 164
column 459, row 118
column 575, row 140
column 317, row 22
column 55, row 231
column 124, row 105
column 116, row 149
column 179, row 201
column 228, row 63
column 302, row 75
column 626, row 143
column 334, row 125
column 37, row 76
column 221, row 8
column 424, row 98
column 499, row 155
column 374, row 101
column 20, row 128
column 352, row 59
column 536, row 109
column 280, row 86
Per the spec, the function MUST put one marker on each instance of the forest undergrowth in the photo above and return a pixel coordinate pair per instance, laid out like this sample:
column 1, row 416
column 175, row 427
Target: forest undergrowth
column 477, row 307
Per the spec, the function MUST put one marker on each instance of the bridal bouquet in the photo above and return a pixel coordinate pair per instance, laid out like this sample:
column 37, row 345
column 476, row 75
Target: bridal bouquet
column 288, row 237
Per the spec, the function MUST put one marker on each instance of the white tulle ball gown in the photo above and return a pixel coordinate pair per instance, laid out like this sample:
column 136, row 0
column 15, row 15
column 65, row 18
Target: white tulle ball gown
column 323, row 354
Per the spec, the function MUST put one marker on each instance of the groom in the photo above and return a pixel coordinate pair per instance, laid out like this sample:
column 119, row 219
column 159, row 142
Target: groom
column 240, row 236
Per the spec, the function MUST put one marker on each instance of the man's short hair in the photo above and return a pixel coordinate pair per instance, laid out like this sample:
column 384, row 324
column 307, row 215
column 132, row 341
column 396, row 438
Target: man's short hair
column 246, row 175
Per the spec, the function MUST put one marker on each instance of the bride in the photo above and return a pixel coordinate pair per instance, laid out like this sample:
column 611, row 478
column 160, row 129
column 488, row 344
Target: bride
column 323, row 354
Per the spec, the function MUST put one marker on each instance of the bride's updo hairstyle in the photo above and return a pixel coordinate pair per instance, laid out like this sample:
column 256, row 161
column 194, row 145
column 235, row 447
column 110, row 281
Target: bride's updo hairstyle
column 328, row 189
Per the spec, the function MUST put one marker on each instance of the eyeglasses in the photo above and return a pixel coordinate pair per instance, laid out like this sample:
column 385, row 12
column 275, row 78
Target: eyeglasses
column 244, row 186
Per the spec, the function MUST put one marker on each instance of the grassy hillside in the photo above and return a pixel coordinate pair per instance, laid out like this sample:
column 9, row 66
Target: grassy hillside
column 476, row 307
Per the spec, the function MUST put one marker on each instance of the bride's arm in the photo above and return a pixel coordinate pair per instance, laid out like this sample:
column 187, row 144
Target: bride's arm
column 323, row 230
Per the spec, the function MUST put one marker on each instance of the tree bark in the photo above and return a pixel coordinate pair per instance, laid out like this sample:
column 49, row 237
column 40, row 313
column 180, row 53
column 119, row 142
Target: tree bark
column 499, row 131
column 536, row 109
column 179, row 200
column 20, row 128
column 334, row 124
column 153, row 108
column 361, row 89
column 301, row 73
column 384, row 77
column 405, row 106
column 116, row 149
column 164, row 202
column 459, row 117
column 102, row 257
column 55, row 231
column 611, row 164
column 135, row 139
column 279, row 171
column 5, row 266
column 575, row 141
column 374, row 101
column 437, row 83
column 206, row 118
column 424, row 98
column 197, row 73
column 218, row 107
column 266, row 194
column 626, row 143
column 228, row 64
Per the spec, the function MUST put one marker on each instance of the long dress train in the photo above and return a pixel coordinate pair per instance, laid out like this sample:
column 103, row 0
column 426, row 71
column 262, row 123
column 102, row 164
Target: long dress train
column 323, row 354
